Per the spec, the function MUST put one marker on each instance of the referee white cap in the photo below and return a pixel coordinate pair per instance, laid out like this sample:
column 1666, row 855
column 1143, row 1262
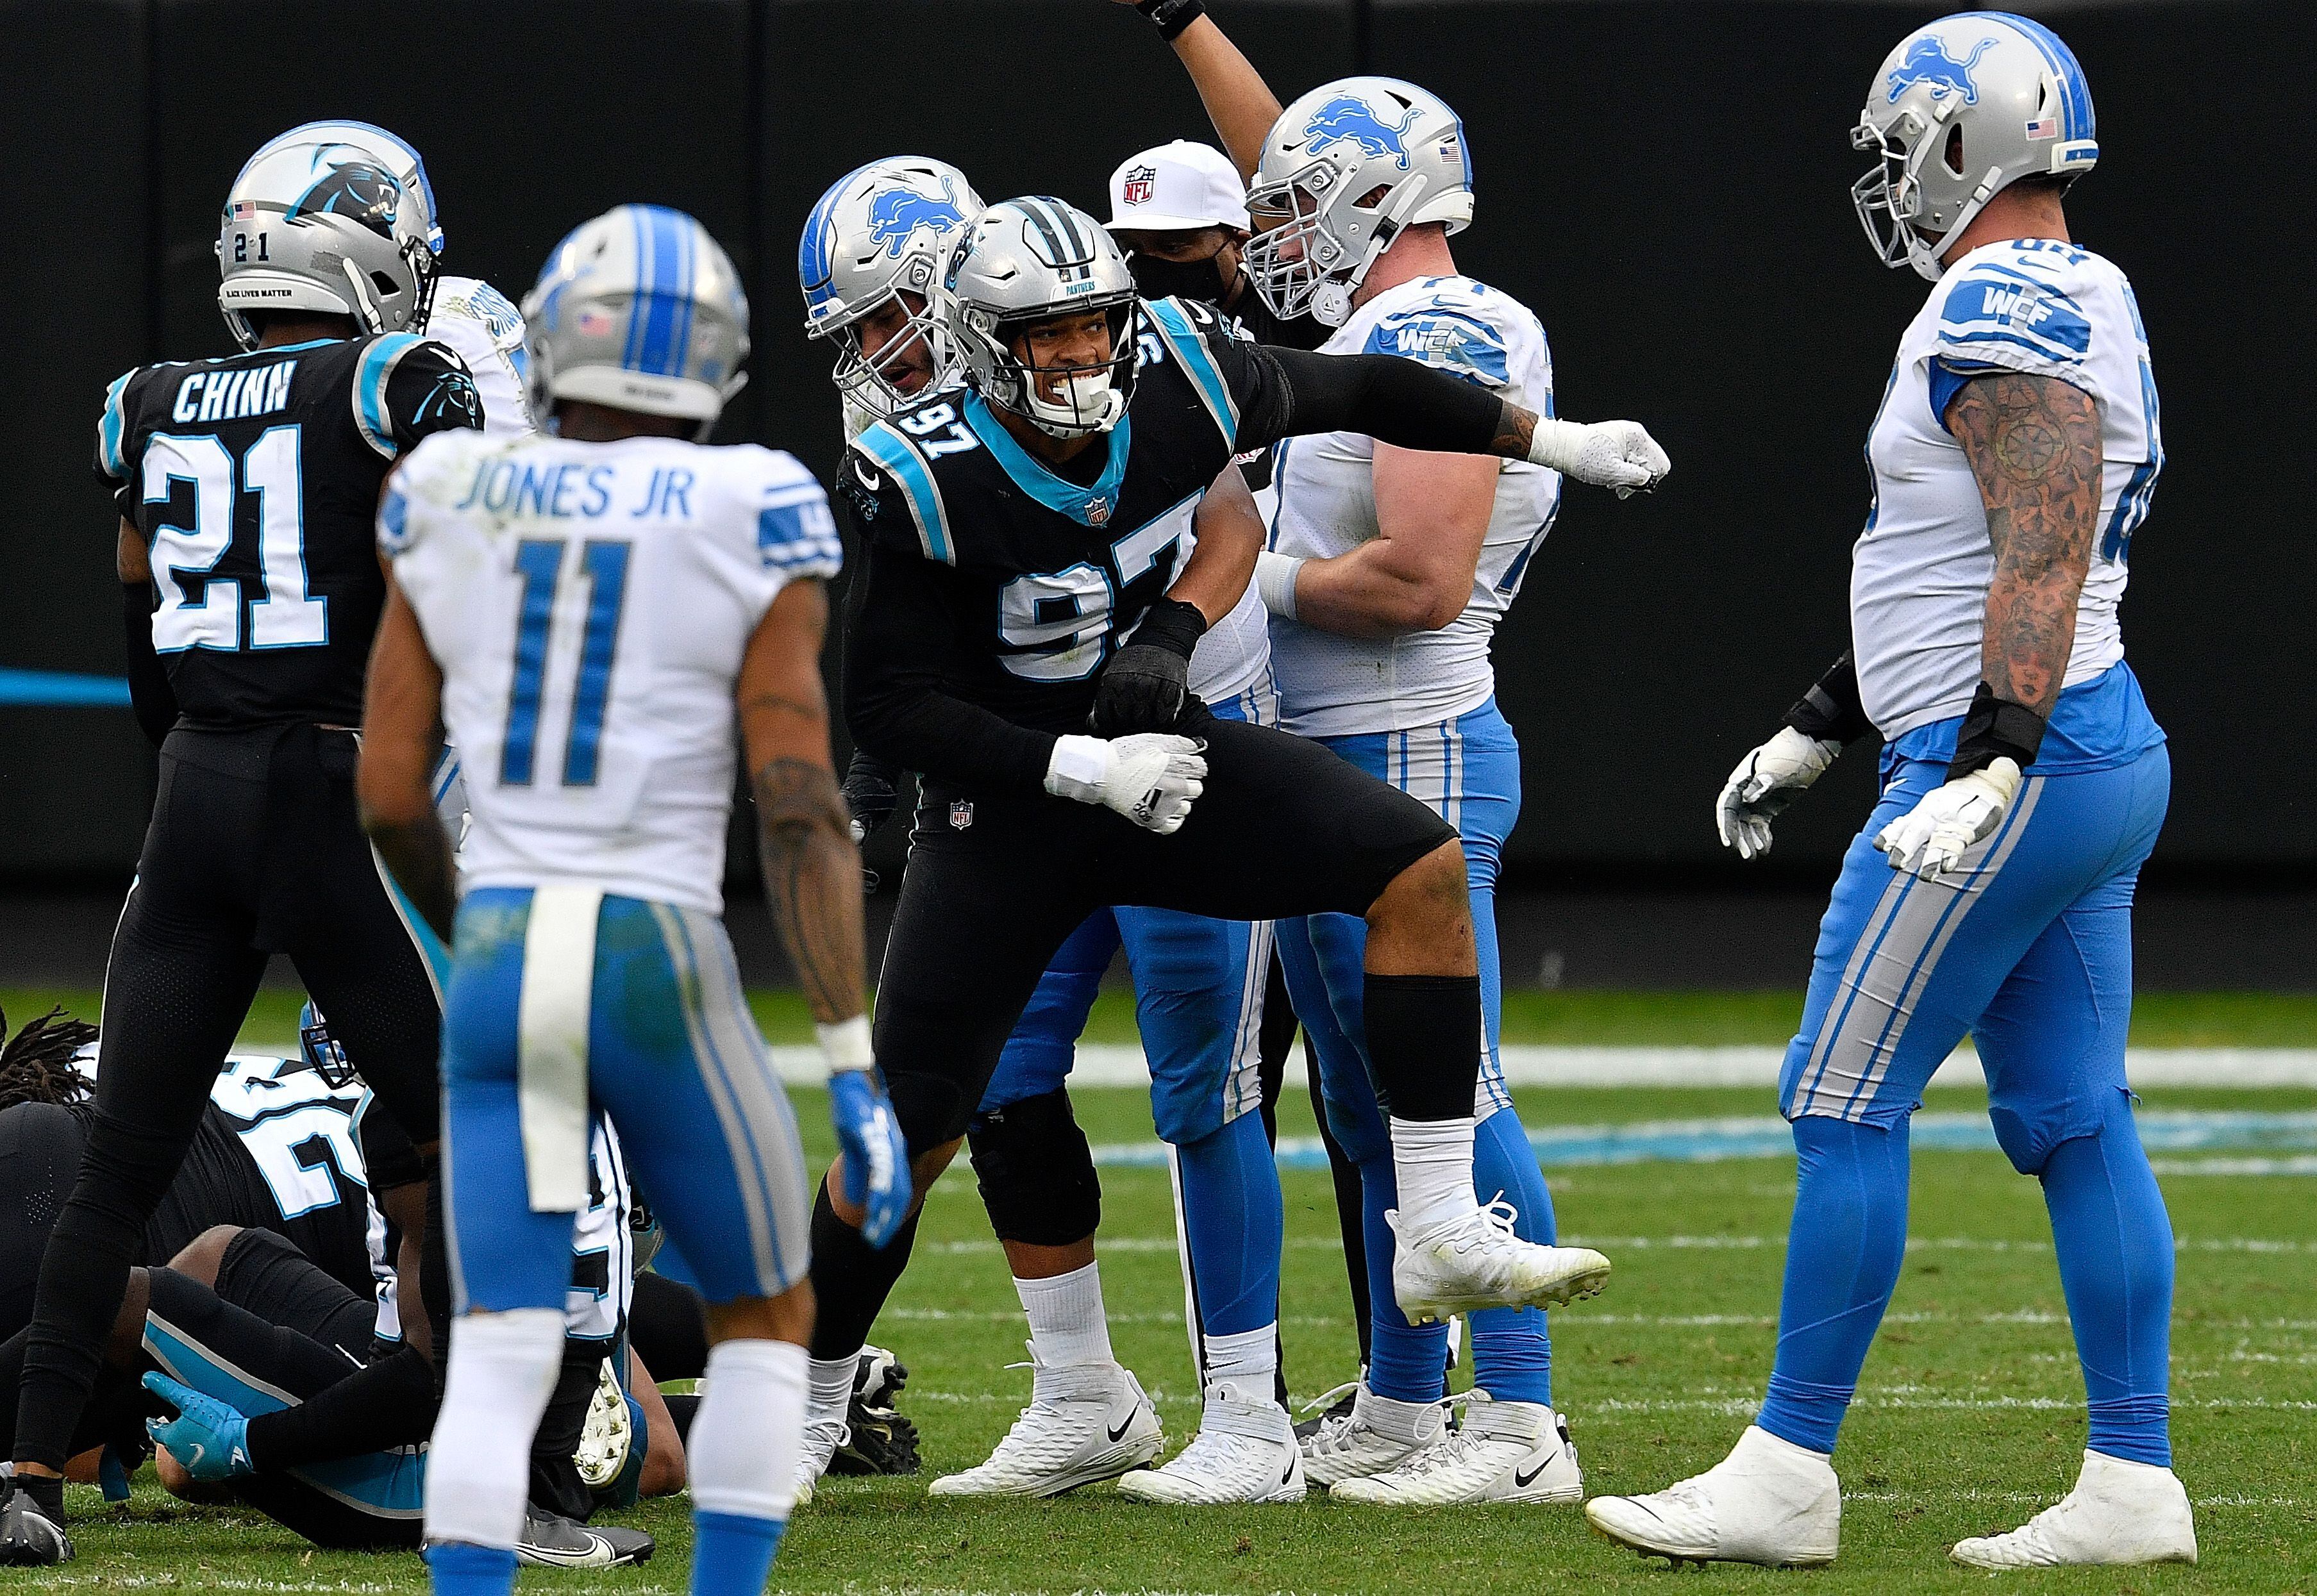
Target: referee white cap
column 1177, row 186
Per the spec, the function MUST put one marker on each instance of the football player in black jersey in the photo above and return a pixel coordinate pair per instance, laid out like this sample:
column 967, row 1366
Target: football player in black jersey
column 1035, row 573
column 246, row 487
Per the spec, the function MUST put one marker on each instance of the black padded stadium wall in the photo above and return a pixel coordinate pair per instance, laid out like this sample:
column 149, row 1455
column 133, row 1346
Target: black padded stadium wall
column 1664, row 180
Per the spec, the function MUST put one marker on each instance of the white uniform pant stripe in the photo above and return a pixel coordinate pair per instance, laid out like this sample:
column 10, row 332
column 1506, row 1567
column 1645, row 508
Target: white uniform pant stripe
column 552, row 1017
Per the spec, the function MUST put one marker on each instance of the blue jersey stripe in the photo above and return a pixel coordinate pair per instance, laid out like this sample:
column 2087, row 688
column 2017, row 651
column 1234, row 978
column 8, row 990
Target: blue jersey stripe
column 371, row 374
column 1191, row 353
column 890, row 451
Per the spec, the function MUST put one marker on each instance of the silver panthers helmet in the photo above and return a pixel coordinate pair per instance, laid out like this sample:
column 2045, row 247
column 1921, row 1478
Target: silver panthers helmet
column 1345, row 169
column 329, row 218
column 641, row 310
column 1029, row 261
column 1963, row 109
column 881, row 230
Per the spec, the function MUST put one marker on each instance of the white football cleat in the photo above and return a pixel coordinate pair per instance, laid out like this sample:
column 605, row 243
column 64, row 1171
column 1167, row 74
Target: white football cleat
column 1770, row 1502
column 1084, row 1423
column 822, row 1436
column 1476, row 1262
column 1245, row 1451
column 2118, row 1512
column 1379, row 1433
column 608, row 1435
column 1504, row 1451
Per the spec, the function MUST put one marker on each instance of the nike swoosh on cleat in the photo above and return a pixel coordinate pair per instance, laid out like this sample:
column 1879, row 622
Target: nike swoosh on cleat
column 1120, row 1434
column 1522, row 1482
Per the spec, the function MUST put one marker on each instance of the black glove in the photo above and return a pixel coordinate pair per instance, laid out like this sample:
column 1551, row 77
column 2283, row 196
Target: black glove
column 1143, row 686
column 872, row 791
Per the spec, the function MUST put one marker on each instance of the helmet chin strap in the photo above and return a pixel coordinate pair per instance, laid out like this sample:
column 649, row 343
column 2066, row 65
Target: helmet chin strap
column 1331, row 303
column 366, row 303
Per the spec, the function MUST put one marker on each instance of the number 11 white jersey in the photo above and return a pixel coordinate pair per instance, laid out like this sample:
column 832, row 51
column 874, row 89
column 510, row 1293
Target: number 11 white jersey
column 589, row 604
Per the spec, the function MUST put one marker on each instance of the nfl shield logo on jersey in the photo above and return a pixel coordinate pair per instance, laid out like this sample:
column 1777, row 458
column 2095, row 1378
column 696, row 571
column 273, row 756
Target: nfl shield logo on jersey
column 1097, row 512
column 960, row 814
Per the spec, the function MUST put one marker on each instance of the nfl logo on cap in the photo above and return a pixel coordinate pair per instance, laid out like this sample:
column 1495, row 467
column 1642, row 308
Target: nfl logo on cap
column 1135, row 187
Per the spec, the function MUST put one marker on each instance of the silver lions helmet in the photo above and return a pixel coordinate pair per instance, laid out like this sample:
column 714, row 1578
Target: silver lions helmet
column 881, row 232
column 1029, row 261
column 333, row 218
column 641, row 311
column 1963, row 109
column 1345, row 170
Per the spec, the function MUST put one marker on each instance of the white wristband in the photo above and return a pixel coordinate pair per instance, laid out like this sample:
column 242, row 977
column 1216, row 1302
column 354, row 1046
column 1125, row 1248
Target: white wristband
column 1076, row 768
column 1275, row 579
column 1556, row 443
column 846, row 1045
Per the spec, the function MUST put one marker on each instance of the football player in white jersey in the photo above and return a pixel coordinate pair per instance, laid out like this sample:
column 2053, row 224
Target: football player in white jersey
column 1386, row 573
column 589, row 611
column 868, row 261
column 2023, row 782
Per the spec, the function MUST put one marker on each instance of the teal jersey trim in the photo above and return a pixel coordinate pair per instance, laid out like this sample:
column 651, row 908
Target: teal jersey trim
column 110, row 428
column 1067, row 498
column 1190, row 351
column 889, row 449
column 372, row 372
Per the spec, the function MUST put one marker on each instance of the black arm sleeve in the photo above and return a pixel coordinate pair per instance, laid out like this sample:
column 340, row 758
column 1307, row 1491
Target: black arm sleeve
column 893, row 699
column 150, row 692
column 1832, row 711
column 388, row 1404
column 1291, row 392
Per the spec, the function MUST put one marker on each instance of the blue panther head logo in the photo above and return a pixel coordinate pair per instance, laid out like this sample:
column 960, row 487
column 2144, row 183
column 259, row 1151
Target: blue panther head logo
column 1927, row 61
column 357, row 191
column 1348, row 119
column 897, row 213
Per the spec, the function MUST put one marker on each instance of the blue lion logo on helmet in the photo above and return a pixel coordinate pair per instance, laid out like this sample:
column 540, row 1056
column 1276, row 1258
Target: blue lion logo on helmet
column 357, row 191
column 1927, row 61
column 898, row 213
column 1348, row 119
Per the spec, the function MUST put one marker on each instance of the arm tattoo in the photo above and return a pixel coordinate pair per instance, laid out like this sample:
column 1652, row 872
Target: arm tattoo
column 812, row 876
column 1516, row 433
column 2034, row 446
column 419, row 855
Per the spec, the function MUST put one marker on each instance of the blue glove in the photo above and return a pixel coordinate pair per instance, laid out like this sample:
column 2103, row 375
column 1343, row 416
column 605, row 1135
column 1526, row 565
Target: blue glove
column 209, row 1438
column 876, row 1157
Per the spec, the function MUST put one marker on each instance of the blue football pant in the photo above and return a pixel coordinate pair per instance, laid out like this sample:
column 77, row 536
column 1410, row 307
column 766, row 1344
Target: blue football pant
column 2027, row 948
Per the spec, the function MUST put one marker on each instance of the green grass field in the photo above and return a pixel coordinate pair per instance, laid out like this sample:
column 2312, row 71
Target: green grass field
column 1968, row 1419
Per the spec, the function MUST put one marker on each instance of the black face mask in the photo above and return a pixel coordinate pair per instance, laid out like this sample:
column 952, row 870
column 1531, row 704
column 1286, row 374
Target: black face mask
column 1157, row 279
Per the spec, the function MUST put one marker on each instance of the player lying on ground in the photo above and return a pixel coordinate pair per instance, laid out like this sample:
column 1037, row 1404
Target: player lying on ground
column 589, row 612
column 1036, row 568
column 2024, row 781
column 244, row 487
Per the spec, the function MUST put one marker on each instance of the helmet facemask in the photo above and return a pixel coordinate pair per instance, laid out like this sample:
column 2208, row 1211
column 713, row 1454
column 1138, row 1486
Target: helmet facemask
column 1092, row 396
column 869, row 380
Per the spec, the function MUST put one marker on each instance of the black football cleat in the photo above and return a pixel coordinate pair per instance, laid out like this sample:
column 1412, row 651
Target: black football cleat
column 28, row 1538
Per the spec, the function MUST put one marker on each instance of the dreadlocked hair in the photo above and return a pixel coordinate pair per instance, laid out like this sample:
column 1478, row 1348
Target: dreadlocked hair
column 36, row 1065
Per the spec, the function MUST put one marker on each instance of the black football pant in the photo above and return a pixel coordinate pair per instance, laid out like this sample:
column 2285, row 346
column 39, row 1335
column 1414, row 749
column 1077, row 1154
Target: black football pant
column 997, row 883
column 255, row 848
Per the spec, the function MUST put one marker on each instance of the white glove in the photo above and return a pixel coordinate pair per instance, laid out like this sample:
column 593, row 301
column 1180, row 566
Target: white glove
column 1619, row 454
column 1931, row 838
column 1764, row 783
column 1151, row 777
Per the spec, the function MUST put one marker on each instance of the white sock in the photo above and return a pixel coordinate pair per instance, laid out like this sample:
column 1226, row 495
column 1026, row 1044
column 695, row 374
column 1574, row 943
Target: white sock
column 830, row 1387
column 749, row 1433
column 1068, row 1325
column 1249, row 1360
column 503, row 1369
column 1432, row 1159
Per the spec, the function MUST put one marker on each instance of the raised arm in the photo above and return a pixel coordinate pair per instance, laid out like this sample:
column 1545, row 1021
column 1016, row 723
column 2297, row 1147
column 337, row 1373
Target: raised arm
column 1238, row 102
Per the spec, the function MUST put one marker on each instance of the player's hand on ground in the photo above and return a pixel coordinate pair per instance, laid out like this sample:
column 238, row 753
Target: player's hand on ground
column 1152, row 777
column 872, row 791
column 876, row 1155
column 1613, row 454
column 210, row 1438
column 1765, row 782
column 1931, row 838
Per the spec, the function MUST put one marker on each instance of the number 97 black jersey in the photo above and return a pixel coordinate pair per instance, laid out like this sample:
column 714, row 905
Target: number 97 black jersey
column 253, row 479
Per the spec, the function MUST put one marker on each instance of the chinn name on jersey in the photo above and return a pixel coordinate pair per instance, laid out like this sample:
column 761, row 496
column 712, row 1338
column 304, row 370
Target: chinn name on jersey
column 227, row 395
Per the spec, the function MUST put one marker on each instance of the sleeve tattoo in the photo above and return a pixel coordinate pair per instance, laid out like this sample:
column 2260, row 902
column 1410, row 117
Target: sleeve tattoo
column 2034, row 443
column 812, row 876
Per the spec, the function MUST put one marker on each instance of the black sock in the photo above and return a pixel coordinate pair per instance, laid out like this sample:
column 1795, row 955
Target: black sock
column 48, row 1494
column 851, row 1278
column 1425, row 1040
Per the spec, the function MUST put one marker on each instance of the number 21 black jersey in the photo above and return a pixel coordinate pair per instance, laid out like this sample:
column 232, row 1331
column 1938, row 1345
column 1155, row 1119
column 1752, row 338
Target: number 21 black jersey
column 253, row 479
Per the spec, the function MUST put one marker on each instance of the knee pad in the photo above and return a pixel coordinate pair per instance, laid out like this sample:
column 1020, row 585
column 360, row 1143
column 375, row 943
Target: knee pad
column 2027, row 1132
column 1035, row 1172
column 932, row 1108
